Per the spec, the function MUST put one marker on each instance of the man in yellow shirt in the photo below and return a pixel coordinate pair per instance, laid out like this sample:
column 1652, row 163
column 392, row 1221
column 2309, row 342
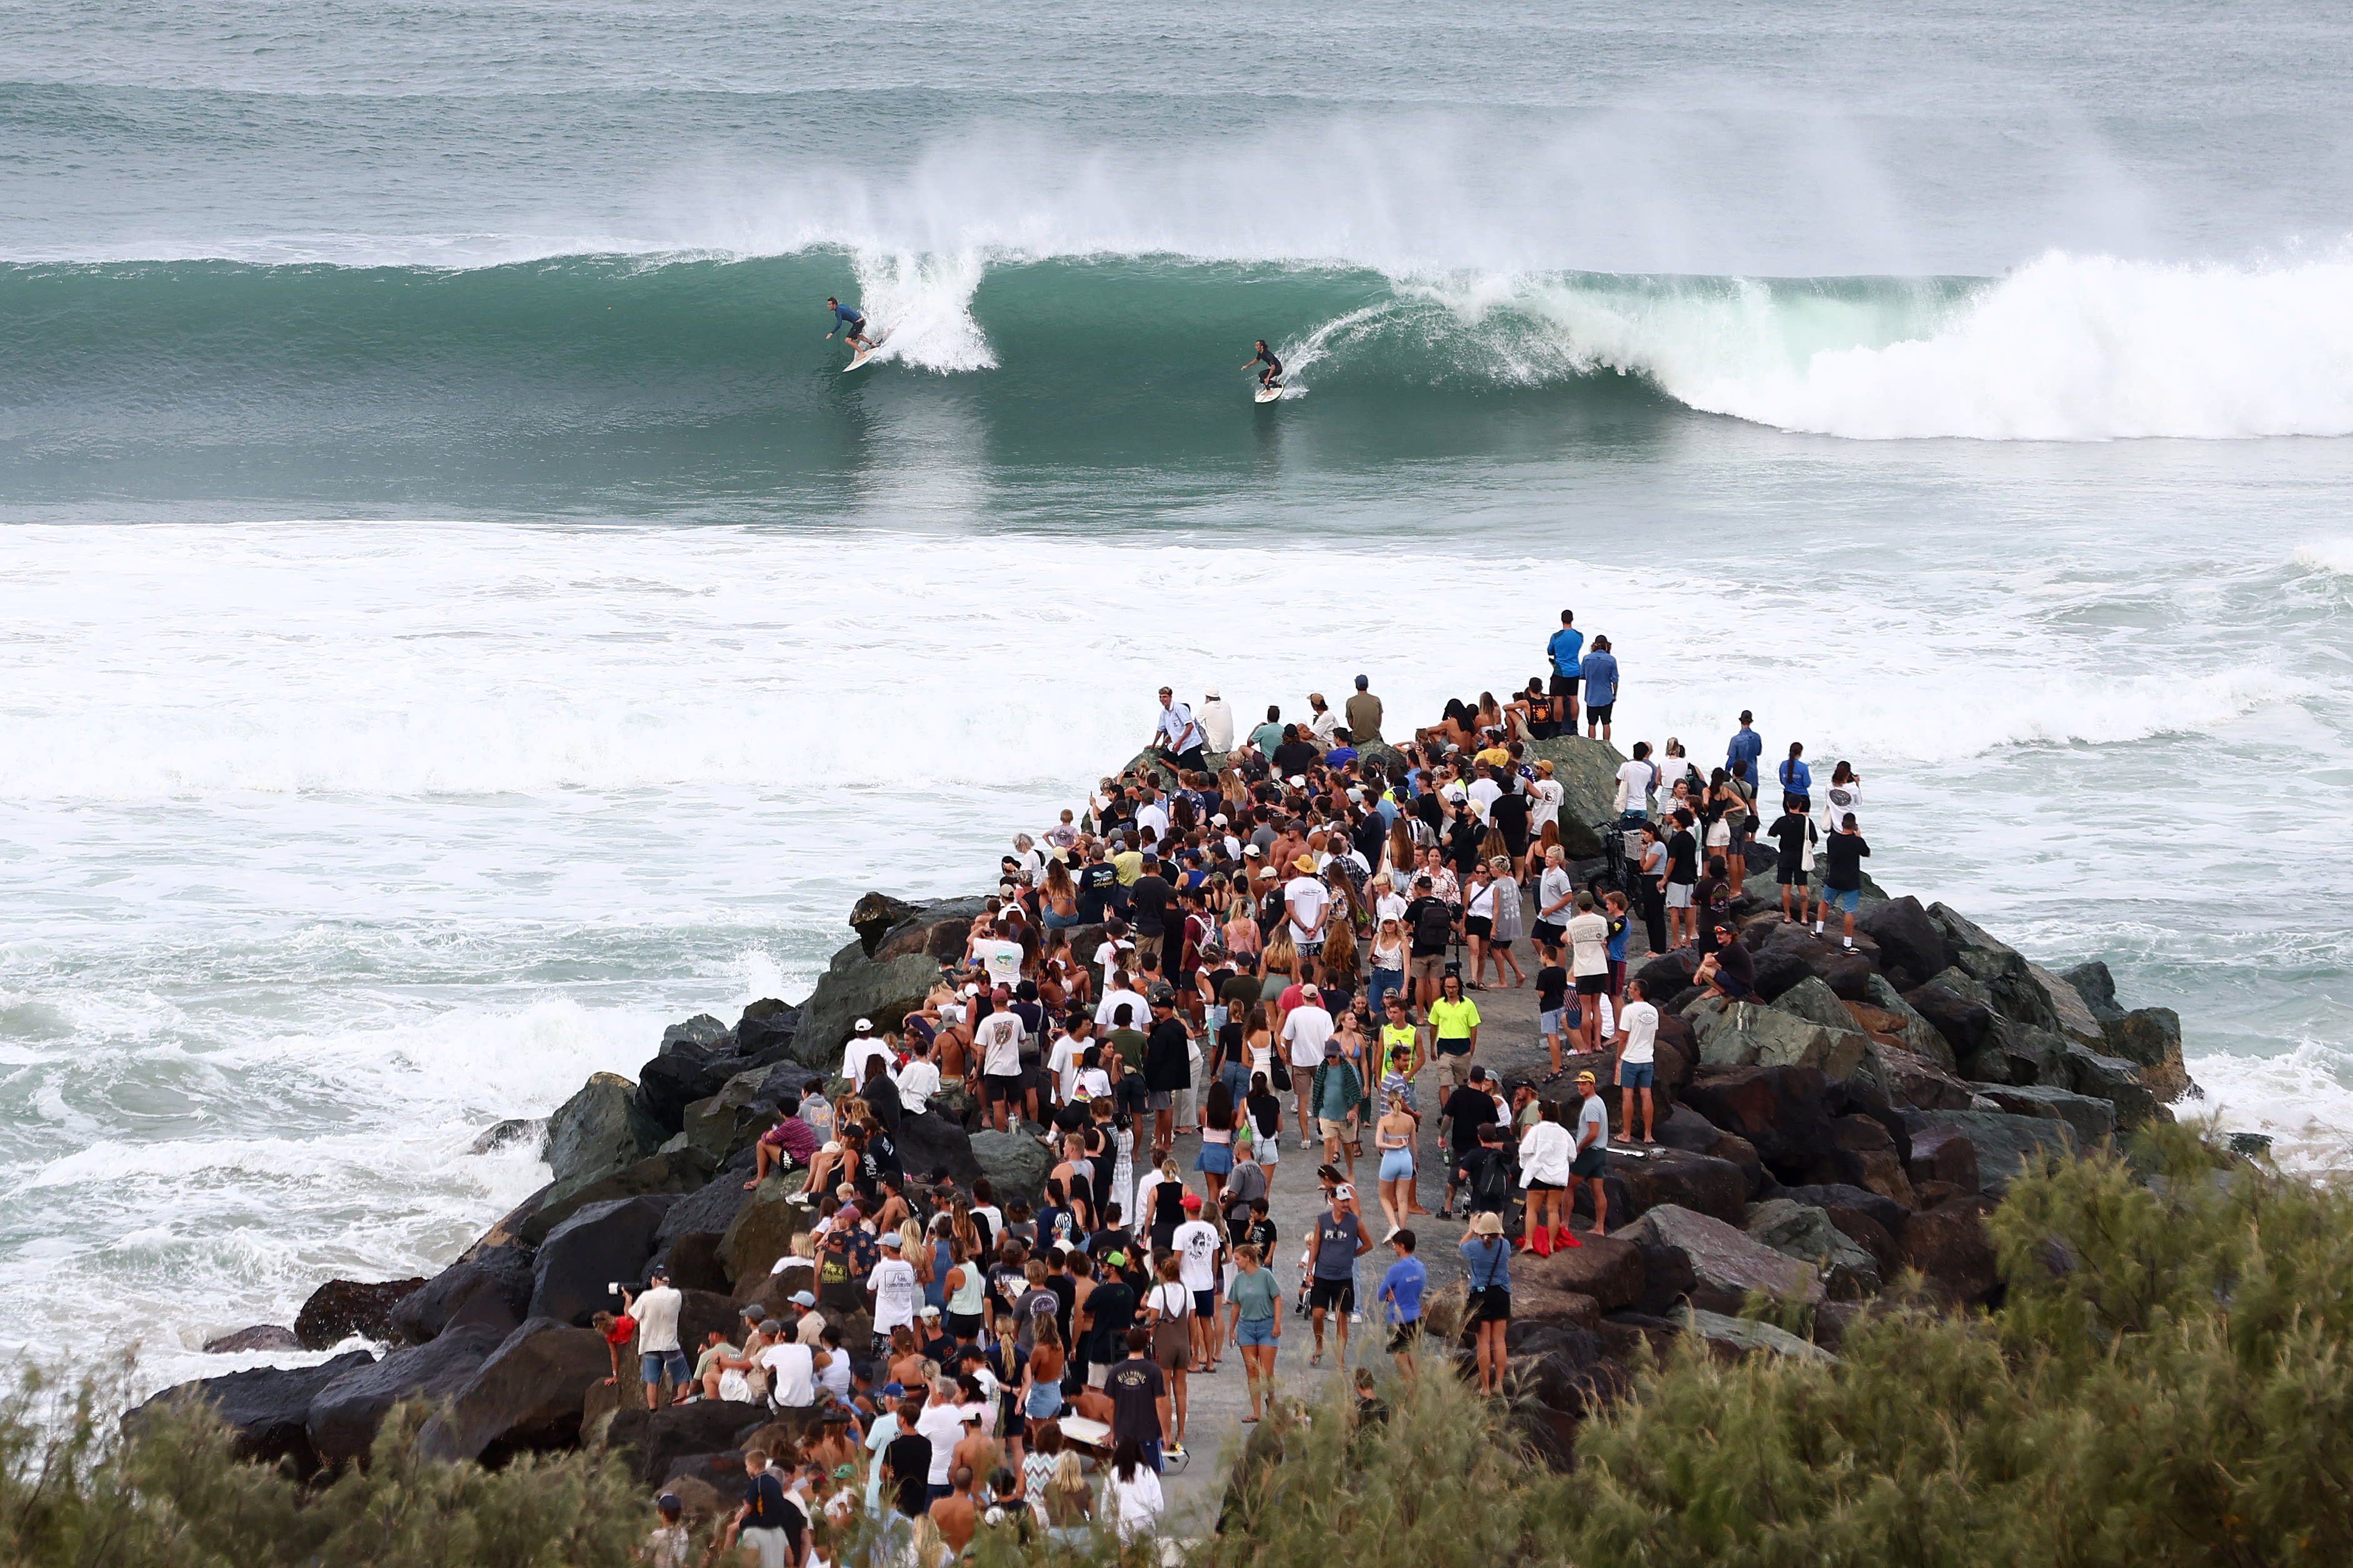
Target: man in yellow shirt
column 1454, row 1025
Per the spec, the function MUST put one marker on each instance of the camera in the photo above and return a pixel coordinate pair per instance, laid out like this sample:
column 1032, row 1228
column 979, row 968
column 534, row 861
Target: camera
column 613, row 1288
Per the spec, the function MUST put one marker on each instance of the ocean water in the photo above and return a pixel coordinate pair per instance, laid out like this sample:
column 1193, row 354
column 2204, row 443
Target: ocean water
column 455, row 618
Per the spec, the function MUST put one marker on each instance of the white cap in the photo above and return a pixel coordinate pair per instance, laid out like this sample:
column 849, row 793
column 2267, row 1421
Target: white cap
column 864, row 1026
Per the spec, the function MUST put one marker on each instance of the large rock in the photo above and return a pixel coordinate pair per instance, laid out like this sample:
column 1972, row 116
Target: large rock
column 2150, row 1038
column 602, row 1243
column 2092, row 1121
column 266, row 1409
column 2000, row 968
column 1943, row 1154
column 1732, row 1337
column 1948, row 1244
column 494, row 1289
column 602, row 1127
column 1684, row 1128
column 1781, row 1111
column 675, row 1171
column 525, row 1398
column 872, row 917
column 1911, row 946
column 343, row 1308
column 935, row 1143
column 1697, row 1181
column 1867, row 1156
column 2076, row 1020
column 1607, row 1268
column 682, row 1073
column 1586, row 771
column 1744, row 1034
column 1725, row 1264
column 2115, row 1080
column 732, row 1121
column 1796, row 1230
column 693, row 1262
column 259, row 1337
column 1833, row 1196
column 1886, row 1015
column 1913, row 1080
column 763, row 1229
column 884, row 985
column 657, row 1439
column 344, row 1413
column 2001, row 1143
column 2097, row 988
column 702, row 1031
column 710, row 1209
column 765, row 1034
column 1016, row 1164
column 1966, row 1023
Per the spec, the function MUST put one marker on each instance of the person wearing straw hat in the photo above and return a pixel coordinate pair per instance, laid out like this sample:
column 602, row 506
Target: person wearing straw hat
column 1487, row 1268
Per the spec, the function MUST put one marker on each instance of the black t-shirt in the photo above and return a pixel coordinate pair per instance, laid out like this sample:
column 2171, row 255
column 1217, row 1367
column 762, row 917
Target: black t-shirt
column 1149, row 898
column 1430, row 931
column 1681, row 852
column 1510, row 814
column 1712, row 897
column 1096, row 881
column 1113, row 1307
column 1790, row 833
column 1261, row 1234
column 1552, row 987
column 1293, row 758
column 1845, row 852
column 1468, row 1109
column 1265, row 1111
column 1066, row 1291
column 1135, row 1386
column 1167, row 1064
column 910, row 1458
column 1732, row 959
column 766, row 1495
column 1462, row 844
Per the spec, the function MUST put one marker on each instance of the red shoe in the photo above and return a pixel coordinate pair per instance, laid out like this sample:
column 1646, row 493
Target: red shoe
column 1541, row 1245
column 1564, row 1237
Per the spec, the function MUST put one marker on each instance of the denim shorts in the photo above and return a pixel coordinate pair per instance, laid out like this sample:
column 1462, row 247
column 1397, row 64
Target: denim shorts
column 1846, row 899
column 1548, row 1023
column 650, row 1365
column 1635, row 1075
column 1254, row 1332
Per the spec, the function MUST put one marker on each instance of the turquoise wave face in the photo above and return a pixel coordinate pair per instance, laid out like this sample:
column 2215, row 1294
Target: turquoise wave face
column 579, row 378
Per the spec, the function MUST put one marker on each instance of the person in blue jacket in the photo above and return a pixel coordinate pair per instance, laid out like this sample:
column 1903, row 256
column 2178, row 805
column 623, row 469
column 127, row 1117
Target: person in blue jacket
column 1567, row 650
column 1797, row 781
column 850, row 323
column 1599, row 673
column 1747, row 746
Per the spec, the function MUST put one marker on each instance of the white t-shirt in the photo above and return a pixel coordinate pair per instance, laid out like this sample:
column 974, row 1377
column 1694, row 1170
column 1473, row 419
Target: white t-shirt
column 1588, row 936
column 1485, row 794
column 918, row 1081
column 657, row 1316
column 943, row 1424
column 1556, row 897
column 892, row 1281
column 998, row 1040
column 1545, row 797
column 1139, row 1017
column 1197, row 1241
column 1640, row 1021
column 1154, row 816
column 1389, row 906
column 1305, row 1032
column 1093, row 1083
column 1839, row 799
column 1634, row 780
column 1002, row 959
column 1216, row 720
column 792, row 1373
column 1325, row 724
column 855, row 1053
column 1063, row 1061
column 1306, row 897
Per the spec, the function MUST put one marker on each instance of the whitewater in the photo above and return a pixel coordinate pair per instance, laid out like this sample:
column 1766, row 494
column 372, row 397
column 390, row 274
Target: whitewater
column 455, row 618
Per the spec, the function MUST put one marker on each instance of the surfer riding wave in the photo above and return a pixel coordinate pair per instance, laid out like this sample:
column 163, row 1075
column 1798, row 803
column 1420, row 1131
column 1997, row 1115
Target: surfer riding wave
column 1270, row 376
column 851, row 324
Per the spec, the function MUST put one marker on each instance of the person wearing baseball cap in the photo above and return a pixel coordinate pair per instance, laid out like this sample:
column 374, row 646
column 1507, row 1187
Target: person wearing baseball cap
column 1593, row 1148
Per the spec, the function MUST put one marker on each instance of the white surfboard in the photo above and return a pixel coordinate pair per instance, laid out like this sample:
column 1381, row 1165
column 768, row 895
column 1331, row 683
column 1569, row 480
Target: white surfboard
column 1268, row 392
column 863, row 355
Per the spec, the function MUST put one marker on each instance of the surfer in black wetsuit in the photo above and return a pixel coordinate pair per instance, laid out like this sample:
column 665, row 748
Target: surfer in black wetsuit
column 849, row 322
column 1273, row 370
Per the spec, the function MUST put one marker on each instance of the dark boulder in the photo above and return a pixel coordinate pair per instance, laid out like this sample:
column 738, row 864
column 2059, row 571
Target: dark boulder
column 2012, row 990
column 1966, row 1023
column 1605, row 1268
column 711, row 1207
column 344, row 1413
column 883, row 985
column 702, row 1031
column 525, row 1398
column 602, row 1243
column 1943, row 1154
column 260, row 1336
column 678, row 1171
column 2097, row 988
column 873, row 916
column 2150, row 1038
column 1697, row 1181
column 2115, row 1080
column 1724, row 1262
column 2003, row 1144
column 1918, row 1081
column 1014, row 1163
column 492, row 1287
column 1781, row 1111
column 721, row 1473
column 675, row 1080
column 656, row 1440
column 600, row 1129
column 2092, row 1121
column 1668, row 972
column 764, row 1036
column 1889, row 1214
column 502, row 1135
column 266, row 1409
column 693, row 1262
column 933, row 1142
column 503, row 1233
column 1948, row 1244
column 1684, row 1128
column 1911, row 946
column 1865, row 1155
column 1871, row 1235
column 342, row 1307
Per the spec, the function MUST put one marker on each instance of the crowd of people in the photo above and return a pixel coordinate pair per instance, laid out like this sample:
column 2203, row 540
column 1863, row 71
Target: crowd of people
column 1287, row 931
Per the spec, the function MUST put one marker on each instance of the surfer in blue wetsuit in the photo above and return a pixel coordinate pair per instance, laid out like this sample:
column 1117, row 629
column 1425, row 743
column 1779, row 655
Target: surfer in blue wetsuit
column 848, row 322
column 1273, row 370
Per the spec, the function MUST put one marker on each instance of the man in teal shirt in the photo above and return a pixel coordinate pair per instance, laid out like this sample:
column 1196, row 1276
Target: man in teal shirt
column 1337, row 1091
column 1269, row 735
column 1567, row 649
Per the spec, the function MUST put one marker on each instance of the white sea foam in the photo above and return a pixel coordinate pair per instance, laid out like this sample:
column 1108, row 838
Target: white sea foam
column 2302, row 1101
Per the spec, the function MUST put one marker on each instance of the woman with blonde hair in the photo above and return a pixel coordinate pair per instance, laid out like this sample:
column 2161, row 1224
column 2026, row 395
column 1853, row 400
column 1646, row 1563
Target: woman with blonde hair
column 1059, row 895
column 1070, row 1503
column 1240, row 931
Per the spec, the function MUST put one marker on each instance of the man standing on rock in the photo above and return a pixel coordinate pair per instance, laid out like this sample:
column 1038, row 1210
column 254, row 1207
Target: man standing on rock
column 1747, row 746
column 1177, row 737
column 1567, row 651
column 1364, row 715
column 1592, row 1160
column 1637, row 1033
column 997, row 1043
column 1598, row 670
column 657, row 1348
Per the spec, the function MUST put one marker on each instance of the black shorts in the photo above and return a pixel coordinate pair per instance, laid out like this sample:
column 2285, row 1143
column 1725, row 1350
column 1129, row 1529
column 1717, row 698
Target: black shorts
column 1537, row 1186
column 1002, row 1086
column 1598, row 713
column 1788, row 874
column 1590, row 1162
column 1478, row 925
column 1734, row 988
column 1593, row 984
column 1332, row 1295
column 1564, row 686
column 1404, row 1337
column 1549, row 934
column 1492, row 1305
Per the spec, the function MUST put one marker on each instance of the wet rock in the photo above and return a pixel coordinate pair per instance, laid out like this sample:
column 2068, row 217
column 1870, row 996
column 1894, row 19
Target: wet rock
column 345, row 1413
column 873, row 916
column 600, row 1129
column 1848, row 1271
column 702, row 1032
column 2150, row 1038
column 1966, row 1024
column 525, row 1398
column 2000, row 968
column 266, row 1409
column 602, row 1243
column 2116, row 1081
column 2097, row 988
column 678, row 1171
column 502, row 1134
column 1725, row 1263
column 260, row 1336
column 342, row 1307
column 2076, row 1023
column 492, row 1288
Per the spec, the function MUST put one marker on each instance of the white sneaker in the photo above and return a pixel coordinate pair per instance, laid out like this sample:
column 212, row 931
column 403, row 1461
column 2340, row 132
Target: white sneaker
column 1817, row 928
column 1356, row 1317
column 1850, row 943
